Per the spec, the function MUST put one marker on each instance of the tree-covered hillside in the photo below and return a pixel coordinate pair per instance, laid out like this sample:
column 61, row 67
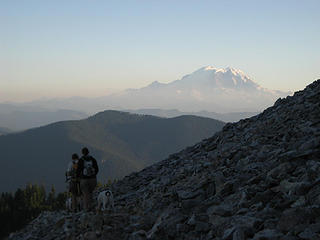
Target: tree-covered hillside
column 17, row 209
column 121, row 142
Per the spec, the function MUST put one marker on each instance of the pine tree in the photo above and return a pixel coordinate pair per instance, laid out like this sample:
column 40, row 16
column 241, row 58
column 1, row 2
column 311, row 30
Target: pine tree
column 51, row 205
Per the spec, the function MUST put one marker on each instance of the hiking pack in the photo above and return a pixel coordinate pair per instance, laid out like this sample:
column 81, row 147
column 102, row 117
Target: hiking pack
column 88, row 169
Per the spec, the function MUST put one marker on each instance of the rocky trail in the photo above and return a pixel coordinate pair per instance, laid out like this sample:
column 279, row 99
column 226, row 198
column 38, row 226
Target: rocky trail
column 256, row 179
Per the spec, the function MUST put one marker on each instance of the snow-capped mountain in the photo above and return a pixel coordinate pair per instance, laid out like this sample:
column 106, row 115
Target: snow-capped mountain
column 209, row 88
column 217, row 78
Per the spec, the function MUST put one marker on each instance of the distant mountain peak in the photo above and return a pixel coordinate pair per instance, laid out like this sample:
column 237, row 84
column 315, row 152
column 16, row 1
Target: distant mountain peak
column 208, row 88
column 232, row 70
column 226, row 78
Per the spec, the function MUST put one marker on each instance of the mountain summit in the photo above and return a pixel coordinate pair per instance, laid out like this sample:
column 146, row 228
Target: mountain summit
column 208, row 88
column 219, row 78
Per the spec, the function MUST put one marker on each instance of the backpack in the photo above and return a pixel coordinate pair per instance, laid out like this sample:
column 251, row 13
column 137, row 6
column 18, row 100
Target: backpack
column 88, row 169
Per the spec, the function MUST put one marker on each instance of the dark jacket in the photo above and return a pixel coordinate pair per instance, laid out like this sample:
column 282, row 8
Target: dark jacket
column 81, row 166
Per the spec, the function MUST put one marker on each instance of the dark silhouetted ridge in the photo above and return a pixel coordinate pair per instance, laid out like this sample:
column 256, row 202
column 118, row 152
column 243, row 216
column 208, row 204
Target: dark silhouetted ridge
column 121, row 142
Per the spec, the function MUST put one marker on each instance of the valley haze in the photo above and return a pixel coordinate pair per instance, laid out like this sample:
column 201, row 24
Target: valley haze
column 211, row 89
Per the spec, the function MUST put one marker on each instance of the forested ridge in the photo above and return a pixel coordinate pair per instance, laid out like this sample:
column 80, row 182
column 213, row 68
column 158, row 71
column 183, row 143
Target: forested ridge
column 121, row 142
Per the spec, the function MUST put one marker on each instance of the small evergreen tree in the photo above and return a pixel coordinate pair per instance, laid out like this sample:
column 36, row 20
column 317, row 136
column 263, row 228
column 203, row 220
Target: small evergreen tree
column 51, row 199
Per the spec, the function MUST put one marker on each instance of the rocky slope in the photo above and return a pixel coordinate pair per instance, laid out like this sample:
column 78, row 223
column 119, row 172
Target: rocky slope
column 256, row 179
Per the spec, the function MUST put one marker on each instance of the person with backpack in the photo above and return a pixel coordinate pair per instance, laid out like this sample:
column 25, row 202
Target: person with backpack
column 87, row 171
column 73, row 181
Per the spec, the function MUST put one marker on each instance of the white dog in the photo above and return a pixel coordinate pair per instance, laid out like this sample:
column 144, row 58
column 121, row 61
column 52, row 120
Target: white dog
column 105, row 200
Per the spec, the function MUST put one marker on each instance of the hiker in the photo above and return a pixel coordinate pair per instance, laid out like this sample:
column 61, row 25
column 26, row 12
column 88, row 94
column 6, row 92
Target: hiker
column 87, row 171
column 73, row 180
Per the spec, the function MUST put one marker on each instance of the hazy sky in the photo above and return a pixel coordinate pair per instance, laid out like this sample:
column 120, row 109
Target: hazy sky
column 87, row 48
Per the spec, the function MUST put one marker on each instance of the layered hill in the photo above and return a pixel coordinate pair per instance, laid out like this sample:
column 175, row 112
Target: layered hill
column 22, row 117
column 225, row 117
column 121, row 142
column 4, row 131
column 256, row 179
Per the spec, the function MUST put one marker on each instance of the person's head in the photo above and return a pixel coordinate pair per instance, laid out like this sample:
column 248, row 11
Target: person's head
column 85, row 151
column 75, row 156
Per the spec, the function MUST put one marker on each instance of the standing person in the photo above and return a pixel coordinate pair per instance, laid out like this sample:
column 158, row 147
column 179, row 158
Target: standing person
column 87, row 171
column 73, row 180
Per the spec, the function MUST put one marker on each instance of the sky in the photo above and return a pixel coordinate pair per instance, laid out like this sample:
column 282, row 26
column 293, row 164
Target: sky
column 91, row 48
